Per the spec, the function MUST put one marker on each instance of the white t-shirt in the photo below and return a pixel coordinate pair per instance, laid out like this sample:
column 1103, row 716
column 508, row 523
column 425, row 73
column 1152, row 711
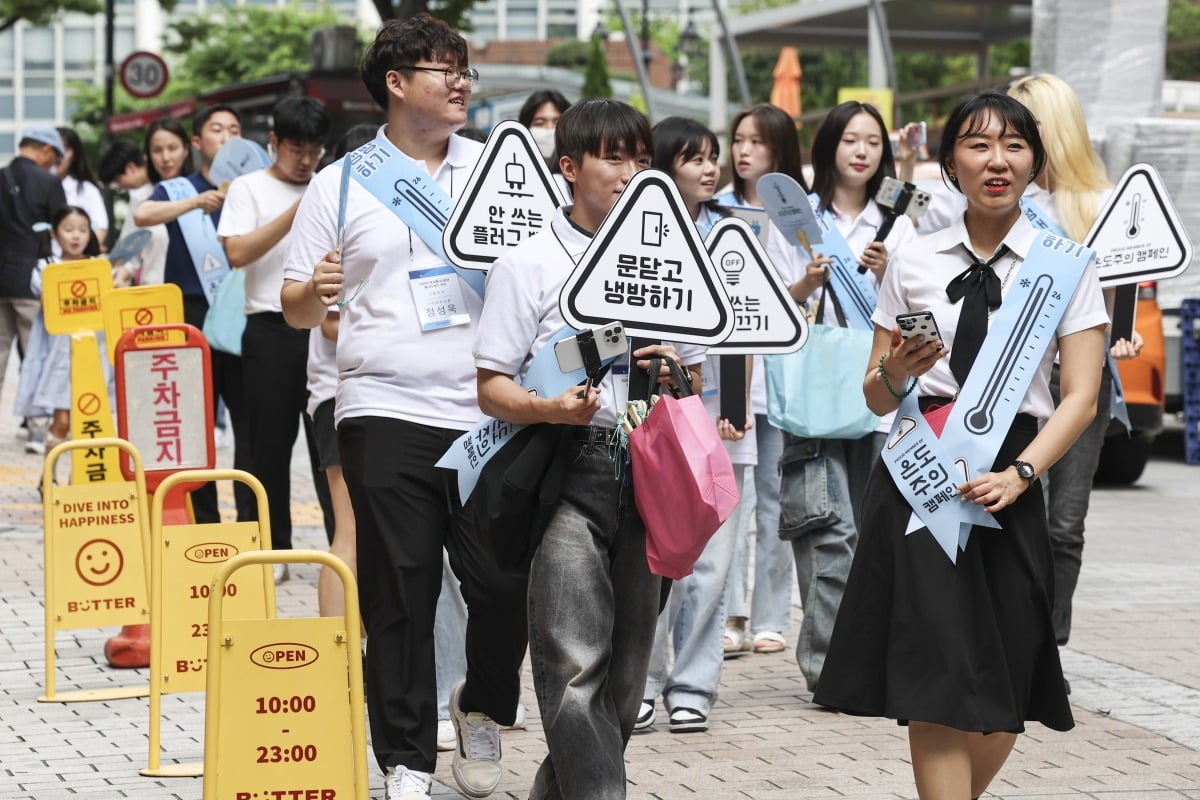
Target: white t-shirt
column 86, row 195
column 521, row 314
column 322, row 369
column 252, row 201
column 917, row 282
column 388, row 367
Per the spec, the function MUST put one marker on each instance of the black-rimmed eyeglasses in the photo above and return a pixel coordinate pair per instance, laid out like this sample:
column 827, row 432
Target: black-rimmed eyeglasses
column 452, row 74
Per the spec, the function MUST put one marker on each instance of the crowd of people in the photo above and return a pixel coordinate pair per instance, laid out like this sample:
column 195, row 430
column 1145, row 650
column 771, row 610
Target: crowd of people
column 961, row 650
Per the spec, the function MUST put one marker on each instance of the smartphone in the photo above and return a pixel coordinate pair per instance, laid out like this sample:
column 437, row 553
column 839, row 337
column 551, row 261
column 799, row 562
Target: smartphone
column 610, row 342
column 917, row 138
column 903, row 198
column 918, row 323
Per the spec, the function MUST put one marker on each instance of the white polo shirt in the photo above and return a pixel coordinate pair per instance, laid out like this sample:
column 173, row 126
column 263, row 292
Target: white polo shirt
column 388, row 366
column 254, row 200
column 521, row 314
column 917, row 282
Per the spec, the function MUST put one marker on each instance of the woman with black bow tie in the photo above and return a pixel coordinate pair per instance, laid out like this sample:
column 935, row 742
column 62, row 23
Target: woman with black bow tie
column 954, row 638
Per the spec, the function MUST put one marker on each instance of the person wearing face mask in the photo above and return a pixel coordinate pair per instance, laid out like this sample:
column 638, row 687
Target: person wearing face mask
column 29, row 193
column 540, row 114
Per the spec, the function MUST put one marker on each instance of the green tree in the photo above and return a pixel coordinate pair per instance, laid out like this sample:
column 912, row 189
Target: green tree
column 570, row 54
column 230, row 44
column 41, row 12
column 595, row 72
column 1183, row 40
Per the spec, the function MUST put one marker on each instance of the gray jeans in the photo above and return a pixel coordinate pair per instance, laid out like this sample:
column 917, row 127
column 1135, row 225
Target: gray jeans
column 592, row 610
column 1068, row 491
column 820, row 505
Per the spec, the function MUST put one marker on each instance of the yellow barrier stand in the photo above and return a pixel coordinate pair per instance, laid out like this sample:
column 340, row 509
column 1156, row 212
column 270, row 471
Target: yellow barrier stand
column 96, row 535
column 183, row 559
column 284, row 714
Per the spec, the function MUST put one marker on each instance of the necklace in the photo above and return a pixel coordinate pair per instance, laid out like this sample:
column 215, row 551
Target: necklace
column 1012, row 265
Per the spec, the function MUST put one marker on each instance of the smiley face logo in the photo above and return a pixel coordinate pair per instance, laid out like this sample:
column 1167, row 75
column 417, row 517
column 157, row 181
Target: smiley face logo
column 99, row 562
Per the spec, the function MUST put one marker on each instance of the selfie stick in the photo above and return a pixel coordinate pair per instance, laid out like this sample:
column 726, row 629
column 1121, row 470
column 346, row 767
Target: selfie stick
column 591, row 359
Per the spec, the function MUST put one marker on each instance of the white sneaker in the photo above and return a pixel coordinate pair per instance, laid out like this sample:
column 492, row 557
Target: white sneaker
column 281, row 573
column 35, row 447
column 446, row 738
column 476, row 764
column 402, row 783
column 519, row 722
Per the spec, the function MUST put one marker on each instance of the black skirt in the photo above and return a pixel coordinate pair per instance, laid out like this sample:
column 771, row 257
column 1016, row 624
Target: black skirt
column 967, row 645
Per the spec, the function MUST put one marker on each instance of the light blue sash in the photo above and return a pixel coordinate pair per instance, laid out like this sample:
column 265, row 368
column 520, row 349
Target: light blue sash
column 855, row 291
column 1117, row 409
column 475, row 448
column 411, row 194
column 927, row 469
column 200, row 236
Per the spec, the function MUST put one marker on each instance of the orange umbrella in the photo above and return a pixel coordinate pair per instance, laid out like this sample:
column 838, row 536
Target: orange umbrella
column 785, row 93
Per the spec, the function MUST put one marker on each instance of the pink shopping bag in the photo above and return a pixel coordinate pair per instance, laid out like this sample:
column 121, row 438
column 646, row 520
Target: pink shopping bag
column 683, row 481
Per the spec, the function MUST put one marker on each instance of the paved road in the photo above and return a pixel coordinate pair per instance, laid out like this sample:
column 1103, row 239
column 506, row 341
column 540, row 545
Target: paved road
column 1133, row 663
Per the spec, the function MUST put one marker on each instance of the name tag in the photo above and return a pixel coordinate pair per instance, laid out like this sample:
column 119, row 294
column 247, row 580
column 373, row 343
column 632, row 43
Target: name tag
column 437, row 294
column 620, row 376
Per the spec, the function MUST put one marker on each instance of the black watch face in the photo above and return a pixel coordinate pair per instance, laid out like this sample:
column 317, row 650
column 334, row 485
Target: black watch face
column 1025, row 471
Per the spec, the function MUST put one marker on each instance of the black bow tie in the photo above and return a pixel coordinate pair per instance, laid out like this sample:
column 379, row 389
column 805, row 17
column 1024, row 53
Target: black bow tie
column 979, row 288
column 980, row 273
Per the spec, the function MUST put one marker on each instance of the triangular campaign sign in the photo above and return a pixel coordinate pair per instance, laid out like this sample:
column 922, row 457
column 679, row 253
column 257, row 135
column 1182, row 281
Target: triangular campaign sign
column 765, row 319
column 1137, row 235
column 509, row 197
column 788, row 206
column 237, row 157
column 647, row 267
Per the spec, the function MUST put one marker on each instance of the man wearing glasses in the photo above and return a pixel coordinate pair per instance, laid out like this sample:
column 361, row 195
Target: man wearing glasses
column 259, row 209
column 367, row 241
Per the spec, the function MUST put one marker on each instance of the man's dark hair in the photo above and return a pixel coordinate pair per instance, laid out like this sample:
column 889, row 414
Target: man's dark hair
column 971, row 116
column 301, row 120
column 354, row 138
column 203, row 115
column 404, row 43
column 539, row 99
column 117, row 158
column 596, row 127
column 825, row 146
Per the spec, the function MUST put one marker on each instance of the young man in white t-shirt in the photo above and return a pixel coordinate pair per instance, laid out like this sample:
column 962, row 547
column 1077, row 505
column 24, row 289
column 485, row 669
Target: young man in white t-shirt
column 405, row 393
column 254, row 228
column 593, row 601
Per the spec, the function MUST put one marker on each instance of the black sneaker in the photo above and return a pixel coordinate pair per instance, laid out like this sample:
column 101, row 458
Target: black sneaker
column 688, row 720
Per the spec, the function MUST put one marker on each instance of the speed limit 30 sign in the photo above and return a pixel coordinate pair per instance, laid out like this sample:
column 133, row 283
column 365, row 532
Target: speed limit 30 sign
column 143, row 74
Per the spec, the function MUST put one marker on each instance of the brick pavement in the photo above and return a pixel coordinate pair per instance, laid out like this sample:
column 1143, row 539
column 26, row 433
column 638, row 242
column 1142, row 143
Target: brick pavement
column 1134, row 664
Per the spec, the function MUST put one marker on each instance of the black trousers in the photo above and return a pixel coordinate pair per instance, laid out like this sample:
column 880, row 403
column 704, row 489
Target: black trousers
column 406, row 510
column 226, row 382
column 275, row 376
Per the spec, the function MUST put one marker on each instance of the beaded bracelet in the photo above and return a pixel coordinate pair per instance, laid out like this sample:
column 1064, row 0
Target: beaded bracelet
column 884, row 377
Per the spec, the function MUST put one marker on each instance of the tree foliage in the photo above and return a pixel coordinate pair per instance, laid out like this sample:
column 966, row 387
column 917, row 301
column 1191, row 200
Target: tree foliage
column 570, row 54
column 1183, row 40
column 595, row 72
column 229, row 44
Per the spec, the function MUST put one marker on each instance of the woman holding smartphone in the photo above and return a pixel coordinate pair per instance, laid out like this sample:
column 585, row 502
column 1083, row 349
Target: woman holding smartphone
column 962, row 649
column 822, row 481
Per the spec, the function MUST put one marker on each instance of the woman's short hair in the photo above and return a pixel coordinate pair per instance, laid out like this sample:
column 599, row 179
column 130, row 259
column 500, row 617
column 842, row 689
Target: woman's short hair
column 971, row 116
column 680, row 136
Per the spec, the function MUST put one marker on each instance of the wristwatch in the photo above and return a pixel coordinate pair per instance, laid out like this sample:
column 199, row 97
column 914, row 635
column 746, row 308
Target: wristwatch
column 1026, row 471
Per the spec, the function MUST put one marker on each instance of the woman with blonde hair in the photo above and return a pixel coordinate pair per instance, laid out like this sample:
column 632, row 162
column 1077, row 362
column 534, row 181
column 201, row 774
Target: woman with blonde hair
column 1070, row 192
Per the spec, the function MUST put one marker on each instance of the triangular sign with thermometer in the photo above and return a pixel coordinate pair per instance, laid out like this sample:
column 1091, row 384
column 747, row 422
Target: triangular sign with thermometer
column 765, row 316
column 1137, row 235
column 647, row 267
column 509, row 197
